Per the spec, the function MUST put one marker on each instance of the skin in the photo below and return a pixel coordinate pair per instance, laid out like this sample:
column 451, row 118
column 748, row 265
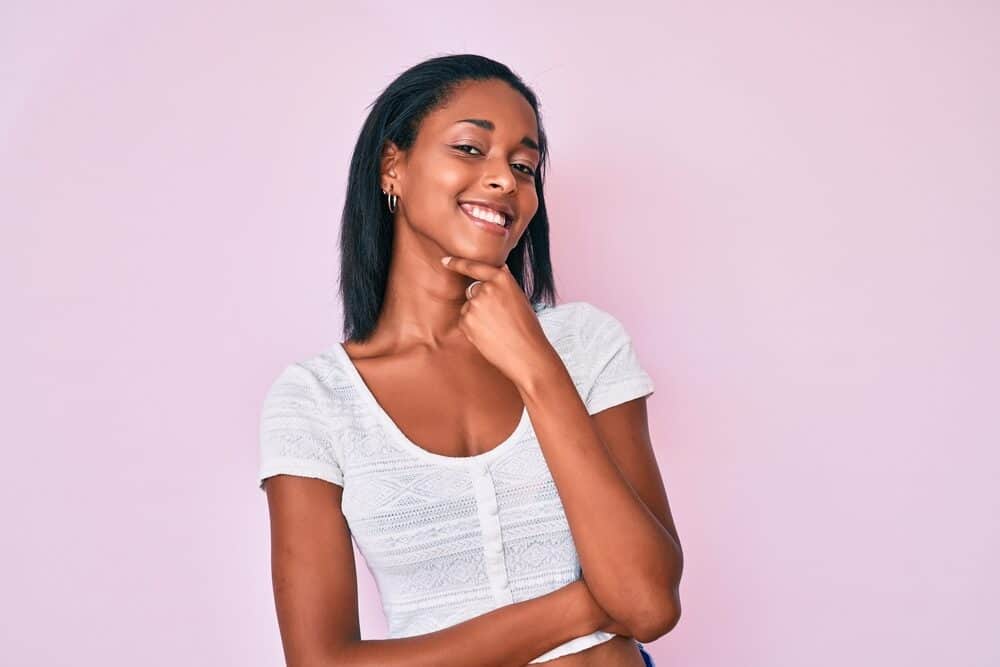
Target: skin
column 431, row 351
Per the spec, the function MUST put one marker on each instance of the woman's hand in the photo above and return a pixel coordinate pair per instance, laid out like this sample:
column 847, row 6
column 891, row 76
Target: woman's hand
column 500, row 321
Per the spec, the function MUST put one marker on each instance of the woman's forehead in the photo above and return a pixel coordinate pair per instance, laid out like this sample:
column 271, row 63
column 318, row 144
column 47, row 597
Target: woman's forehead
column 503, row 108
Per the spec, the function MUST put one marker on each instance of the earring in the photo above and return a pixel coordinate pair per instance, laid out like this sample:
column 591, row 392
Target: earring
column 392, row 200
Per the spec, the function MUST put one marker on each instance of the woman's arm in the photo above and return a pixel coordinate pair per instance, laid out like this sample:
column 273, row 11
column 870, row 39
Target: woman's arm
column 620, row 520
column 510, row 636
column 315, row 591
column 624, row 533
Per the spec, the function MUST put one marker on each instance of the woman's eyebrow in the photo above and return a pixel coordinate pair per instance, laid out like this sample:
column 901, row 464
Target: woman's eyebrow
column 488, row 125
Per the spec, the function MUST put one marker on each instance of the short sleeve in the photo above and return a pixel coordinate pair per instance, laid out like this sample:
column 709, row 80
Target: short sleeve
column 295, row 433
column 616, row 374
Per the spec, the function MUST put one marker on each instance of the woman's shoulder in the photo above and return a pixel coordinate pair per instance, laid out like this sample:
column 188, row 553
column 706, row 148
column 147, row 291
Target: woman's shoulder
column 306, row 413
column 582, row 319
column 580, row 331
column 321, row 372
column 599, row 354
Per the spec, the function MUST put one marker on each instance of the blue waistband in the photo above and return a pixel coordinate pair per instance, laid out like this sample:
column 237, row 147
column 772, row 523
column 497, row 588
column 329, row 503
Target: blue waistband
column 647, row 658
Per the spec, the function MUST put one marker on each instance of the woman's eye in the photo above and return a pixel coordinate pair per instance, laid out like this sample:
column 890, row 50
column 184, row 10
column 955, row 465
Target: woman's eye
column 461, row 146
column 525, row 169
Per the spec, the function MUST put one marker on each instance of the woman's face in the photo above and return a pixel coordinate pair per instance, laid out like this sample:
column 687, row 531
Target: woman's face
column 481, row 147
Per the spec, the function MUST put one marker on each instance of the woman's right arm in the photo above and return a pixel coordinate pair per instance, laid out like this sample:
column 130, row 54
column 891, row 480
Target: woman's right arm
column 315, row 593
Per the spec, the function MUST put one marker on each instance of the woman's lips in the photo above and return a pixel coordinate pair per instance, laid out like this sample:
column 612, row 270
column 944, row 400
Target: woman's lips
column 490, row 227
column 469, row 207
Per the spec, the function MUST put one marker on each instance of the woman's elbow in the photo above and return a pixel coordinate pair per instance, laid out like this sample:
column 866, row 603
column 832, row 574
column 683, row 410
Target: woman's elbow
column 660, row 619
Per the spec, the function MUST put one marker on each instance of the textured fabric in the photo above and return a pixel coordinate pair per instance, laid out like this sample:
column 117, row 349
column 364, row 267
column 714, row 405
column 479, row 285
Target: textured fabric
column 446, row 538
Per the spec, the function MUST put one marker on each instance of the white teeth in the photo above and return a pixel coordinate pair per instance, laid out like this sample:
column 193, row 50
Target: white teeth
column 484, row 214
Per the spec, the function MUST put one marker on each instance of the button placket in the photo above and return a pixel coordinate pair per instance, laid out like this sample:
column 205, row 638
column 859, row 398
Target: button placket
column 489, row 521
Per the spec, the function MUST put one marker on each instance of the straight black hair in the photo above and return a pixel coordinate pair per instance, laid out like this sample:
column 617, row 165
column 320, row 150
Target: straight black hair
column 366, row 232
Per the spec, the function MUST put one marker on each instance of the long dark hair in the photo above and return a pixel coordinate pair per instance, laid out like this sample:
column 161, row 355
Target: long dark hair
column 366, row 231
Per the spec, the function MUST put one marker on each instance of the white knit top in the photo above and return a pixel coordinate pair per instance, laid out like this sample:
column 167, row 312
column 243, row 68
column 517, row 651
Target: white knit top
column 446, row 538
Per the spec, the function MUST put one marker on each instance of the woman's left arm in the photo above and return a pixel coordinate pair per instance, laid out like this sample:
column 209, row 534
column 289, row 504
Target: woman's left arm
column 617, row 509
column 603, row 465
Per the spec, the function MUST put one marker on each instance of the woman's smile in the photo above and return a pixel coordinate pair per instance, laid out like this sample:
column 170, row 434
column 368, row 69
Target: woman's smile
column 489, row 227
column 486, row 219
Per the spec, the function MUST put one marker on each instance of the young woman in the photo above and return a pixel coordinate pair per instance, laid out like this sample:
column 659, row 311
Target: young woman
column 487, row 450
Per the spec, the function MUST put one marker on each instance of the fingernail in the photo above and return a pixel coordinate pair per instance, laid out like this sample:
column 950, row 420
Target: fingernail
column 445, row 260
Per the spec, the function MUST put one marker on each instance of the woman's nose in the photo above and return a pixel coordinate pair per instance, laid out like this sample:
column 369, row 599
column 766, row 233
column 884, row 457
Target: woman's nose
column 499, row 174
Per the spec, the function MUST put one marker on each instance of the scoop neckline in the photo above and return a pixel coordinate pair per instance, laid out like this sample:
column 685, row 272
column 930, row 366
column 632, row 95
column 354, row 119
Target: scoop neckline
column 395, row 432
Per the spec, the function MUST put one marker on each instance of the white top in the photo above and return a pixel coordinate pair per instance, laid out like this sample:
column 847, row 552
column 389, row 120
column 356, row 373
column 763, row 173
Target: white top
column 446, row 538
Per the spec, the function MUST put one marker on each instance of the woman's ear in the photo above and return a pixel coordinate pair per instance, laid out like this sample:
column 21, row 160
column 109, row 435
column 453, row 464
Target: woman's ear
column 391, row 158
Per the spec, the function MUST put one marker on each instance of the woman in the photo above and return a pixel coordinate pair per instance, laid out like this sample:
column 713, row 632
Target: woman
column 478, row 549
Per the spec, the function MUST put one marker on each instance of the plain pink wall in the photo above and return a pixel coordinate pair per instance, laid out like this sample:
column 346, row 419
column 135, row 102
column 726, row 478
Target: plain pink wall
column 793, row 209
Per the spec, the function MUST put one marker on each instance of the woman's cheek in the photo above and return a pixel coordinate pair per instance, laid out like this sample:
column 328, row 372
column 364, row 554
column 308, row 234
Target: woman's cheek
column 450, row 175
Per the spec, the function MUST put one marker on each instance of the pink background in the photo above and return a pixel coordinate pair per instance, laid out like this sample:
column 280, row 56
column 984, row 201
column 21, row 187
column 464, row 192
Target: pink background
column 793, row 209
